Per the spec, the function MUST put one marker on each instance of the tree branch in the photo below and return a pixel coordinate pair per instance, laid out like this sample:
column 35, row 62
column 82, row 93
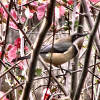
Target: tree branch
column 54, row 77
column 7, row 32
column 37, row 45
column 25, row 36
column 90, row 23
column 12, row 89
column 87, row 59
column 11, row 73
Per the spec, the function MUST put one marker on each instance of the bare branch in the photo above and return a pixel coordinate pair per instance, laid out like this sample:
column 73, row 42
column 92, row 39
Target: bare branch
column 59, row 84
column 7, row 32
column 45, row 26
column 12, row 89
column 90, row 23
column 10, row 73
column 8, row 70
column 87, row 59
column 17, row 25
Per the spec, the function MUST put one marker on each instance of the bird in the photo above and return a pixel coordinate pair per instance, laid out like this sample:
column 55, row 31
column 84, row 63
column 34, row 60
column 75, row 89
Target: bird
column 63, row 49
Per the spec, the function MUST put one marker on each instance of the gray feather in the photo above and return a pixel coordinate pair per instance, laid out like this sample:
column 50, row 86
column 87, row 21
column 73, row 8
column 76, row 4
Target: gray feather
column 57, row 48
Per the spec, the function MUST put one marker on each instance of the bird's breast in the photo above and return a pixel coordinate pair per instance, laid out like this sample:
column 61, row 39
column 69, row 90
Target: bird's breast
column 60, row 58
column 55, row 58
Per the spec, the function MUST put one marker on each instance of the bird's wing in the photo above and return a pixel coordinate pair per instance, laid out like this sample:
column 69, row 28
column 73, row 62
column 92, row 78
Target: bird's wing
column 57, row 48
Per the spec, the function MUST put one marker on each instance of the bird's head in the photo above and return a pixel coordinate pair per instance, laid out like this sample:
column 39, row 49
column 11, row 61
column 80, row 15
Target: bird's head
column 77, row 35
column 78, row 43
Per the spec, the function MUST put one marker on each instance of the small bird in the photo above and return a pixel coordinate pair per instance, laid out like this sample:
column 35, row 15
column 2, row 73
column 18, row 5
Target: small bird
column 63, row 49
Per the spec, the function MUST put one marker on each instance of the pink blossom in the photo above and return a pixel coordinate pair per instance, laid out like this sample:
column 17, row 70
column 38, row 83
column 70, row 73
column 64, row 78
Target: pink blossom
column 70, row 2
column 95, row 1
column 34, row 5
column 13, row 13
column 26, row 48
column 5, row 15
column 12, row 53
column 1, row 10
column 41, row 11
column 9, row 46
column 21, row 64
column 12, row 25
column 0, row 54
column 62, row 10
column 6, row 6
column 17, row 42
column 1, row 94
column 23, row 19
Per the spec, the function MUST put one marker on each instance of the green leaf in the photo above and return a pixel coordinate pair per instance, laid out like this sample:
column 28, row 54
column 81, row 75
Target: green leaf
column 76, row 23
column 64, row 1
column 54, row 90
column 98, row 68
column 22, row 77
column 68, row 22
column 38, row 71
column 66, row 28
column 20, row 92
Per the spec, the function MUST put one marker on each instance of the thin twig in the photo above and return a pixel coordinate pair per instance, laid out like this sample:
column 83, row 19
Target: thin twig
column 6, row 33
column 93, row 71
column 10, row 72
column 75, row 60
column 12, row 89
column 59, row 84
column 87, row 59
column 90, row 23
column 94, row 74
column 37, row 46
column 25, row 36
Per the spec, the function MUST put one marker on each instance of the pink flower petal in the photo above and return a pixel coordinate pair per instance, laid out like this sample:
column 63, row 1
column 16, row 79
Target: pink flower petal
column 17, row 42
column 13, row 13
column 95, row 1
column 23, row 19
column 5, row 15
column 26, row 48
column 1, row 94
column 62, row 10
column 12, row 53
column 41, row 11
column 21, row 64
column 1, row 10
column 70, row 2
column 0, row 54
column 12, row 25
column 9, row 46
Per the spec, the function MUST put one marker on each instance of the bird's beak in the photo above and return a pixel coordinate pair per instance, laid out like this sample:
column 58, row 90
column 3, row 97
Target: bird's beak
column 82, row 35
